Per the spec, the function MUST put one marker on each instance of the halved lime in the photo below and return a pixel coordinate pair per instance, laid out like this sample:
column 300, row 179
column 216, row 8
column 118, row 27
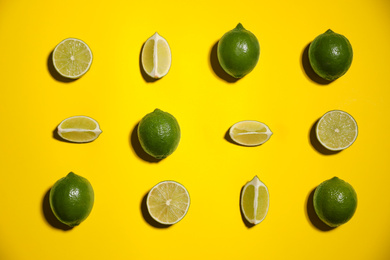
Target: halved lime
column 79, row 129
column 250, row 133
column 72, row 58
column 255, row 201
column 168, row 202
column 336, row 130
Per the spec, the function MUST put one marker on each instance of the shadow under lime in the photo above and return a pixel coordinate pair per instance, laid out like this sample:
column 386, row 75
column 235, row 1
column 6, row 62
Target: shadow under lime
column 312, row 215
column 54, row 73
column 49, row 216
column 216, row 67
column 309, row 70
column 137, row 148
column 147, row 217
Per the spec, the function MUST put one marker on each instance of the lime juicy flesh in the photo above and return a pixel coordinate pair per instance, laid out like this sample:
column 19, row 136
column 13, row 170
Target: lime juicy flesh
column 238, row 51
column 330, row 55
column 71, row 199
column 249, row 201
column 335, row 202
column 159, row 134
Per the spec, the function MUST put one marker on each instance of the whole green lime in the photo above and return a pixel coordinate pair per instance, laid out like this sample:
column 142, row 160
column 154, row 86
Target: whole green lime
column 71, row 199
column 238, row 51
column 335, row 202
column 159, row 134
column 330, row 55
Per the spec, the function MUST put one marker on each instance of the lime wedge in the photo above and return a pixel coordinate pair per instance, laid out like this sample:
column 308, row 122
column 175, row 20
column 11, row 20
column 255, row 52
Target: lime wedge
column 255, row 201
column 250, row 133
column 156, row 56
column 79, row 129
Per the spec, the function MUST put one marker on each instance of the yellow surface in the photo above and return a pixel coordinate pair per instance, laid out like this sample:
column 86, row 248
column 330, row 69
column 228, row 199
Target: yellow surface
column 277, row 92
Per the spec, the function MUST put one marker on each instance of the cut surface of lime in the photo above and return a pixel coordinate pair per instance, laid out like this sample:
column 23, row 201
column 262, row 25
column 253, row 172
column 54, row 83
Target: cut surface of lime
column 168, row 202
column 72, row 58
column 156, row 56
column 250, row 133
column 79, row 129
column 255, row 201
column 336, row 130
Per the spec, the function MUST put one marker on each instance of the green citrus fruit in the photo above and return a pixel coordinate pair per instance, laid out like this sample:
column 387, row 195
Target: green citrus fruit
column 335, row 202
column 336, row 130
column 72, row 58
column 168, row 202
column 330, row 55
column 238, row 51
column 159, row 134
column 71, row 199
column 255, row 201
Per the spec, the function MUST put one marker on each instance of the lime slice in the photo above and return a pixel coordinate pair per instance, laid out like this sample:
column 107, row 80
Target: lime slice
column 255, row 201
column 79, row 129
column 156, row 56
column 72, row 58
column 250, row 133
column 168, row 202
column 336, row 130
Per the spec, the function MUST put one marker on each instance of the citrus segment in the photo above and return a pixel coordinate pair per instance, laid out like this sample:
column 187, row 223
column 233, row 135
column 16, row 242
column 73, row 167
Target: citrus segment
column 71, row 199
column 79, row 129
column 250, row 133
column 147, row 56
column 247, row 202
column 72, row 58
column 262, row 207
column 255, row 201
column 336, row 130
column 168, row 202
column 156, row 56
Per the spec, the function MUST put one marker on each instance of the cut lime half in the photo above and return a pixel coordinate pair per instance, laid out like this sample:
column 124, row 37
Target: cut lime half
column 72, row 58
column 336, row 130
column 168, row 202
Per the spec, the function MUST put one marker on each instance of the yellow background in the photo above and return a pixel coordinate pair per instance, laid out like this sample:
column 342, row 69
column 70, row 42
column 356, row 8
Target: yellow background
column 280, row 91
